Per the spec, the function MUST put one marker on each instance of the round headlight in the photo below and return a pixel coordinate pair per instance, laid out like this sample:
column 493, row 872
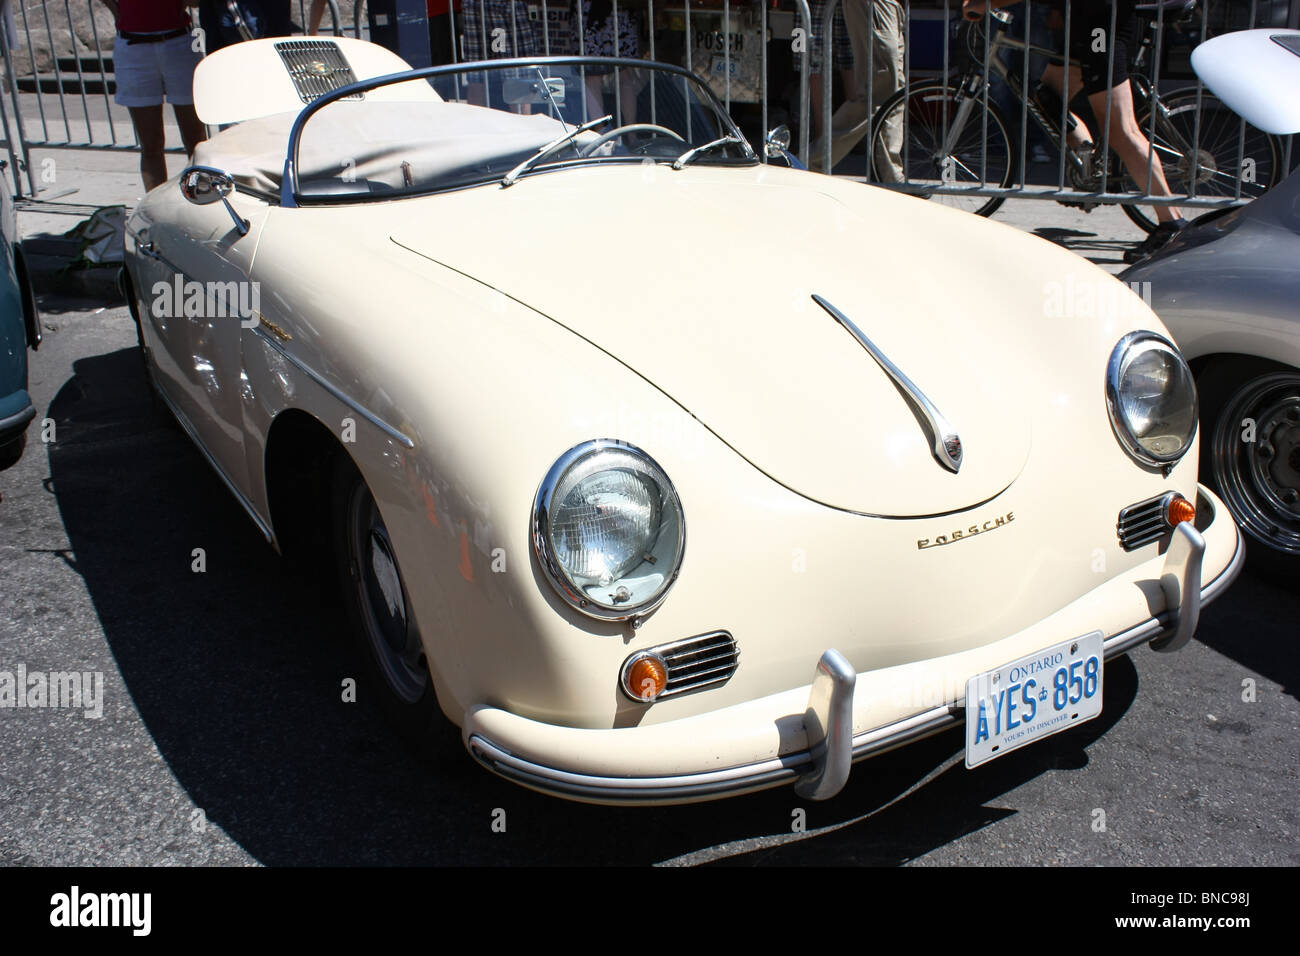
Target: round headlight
column 1152, row 398
column 608, row 530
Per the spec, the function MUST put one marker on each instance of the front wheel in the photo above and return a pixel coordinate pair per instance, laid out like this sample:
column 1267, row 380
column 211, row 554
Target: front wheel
column 1250, row 454
column 1213, row 155
column 378, row 607
column 978, row 153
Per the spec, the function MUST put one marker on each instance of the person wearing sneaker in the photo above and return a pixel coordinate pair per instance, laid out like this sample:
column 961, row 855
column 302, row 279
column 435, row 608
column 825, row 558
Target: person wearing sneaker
column 1103, row 78
column 1157, row 240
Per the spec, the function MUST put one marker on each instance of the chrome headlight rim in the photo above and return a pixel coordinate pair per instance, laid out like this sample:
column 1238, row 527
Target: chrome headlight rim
column 1118, row 423
column 543, row 504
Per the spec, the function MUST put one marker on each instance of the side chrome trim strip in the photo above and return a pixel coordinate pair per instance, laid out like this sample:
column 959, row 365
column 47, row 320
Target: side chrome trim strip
column 779, row 770
column 944, row 440
column 333, row 389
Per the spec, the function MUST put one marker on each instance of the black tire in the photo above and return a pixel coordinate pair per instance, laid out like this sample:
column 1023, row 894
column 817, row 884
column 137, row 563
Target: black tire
column 31, row 314
column 927, row 106
column 1216, row 170
column 385, row 640
column 1254, row 469
column 12, row 450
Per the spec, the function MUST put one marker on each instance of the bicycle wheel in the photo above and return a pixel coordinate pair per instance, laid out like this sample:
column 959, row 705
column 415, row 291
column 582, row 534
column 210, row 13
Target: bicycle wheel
column 927, row 111
column 1214, row 163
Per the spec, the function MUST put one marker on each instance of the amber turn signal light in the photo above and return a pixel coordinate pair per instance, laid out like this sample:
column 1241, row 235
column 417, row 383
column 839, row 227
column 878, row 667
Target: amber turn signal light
column 1179, row 510
column 645, row 678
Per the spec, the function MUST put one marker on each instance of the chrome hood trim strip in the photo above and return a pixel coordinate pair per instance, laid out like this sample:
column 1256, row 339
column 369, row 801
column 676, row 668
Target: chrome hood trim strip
column 944, row 440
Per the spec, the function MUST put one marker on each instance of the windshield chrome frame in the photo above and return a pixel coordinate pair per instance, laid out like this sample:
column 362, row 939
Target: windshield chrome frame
column 289, row 183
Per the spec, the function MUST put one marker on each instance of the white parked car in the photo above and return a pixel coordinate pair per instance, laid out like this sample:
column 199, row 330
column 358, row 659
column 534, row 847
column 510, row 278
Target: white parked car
column 664, row 473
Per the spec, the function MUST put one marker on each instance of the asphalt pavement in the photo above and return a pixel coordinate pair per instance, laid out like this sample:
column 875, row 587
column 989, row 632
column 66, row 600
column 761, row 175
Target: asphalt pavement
column 223, row 738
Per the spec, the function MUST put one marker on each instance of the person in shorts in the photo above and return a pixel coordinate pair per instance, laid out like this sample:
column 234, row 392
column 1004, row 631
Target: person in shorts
column 495, row 30
column 594, row 30
column 154, row 57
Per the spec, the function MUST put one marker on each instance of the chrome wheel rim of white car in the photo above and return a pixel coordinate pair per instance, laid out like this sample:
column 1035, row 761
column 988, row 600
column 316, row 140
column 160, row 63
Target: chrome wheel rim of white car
column 1257, row 459
column 381, row 595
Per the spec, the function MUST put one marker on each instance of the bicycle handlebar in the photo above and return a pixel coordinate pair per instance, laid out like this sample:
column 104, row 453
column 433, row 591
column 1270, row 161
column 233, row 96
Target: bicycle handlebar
column 999, row 15
column 1183, row 6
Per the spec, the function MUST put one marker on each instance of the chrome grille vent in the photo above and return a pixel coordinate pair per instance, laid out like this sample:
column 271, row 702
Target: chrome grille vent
column 316, row 67
column 1144, row 522
column 698, row 662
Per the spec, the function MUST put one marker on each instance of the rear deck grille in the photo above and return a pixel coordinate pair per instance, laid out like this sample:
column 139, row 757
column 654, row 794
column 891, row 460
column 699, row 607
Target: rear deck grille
column 698, row 662
column 317, row 67
column 1144, row 522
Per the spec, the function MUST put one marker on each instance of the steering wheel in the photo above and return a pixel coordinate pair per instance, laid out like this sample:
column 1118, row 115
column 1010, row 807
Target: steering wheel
column 630, row 128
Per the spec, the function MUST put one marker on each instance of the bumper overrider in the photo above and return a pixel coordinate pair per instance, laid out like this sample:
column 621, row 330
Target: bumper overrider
column 810, row 736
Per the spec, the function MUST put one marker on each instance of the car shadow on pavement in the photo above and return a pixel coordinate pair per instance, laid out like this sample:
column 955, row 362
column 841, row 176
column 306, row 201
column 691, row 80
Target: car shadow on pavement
column 236, row 672
column 1107, row 251
column 949, row 803
column 1257, row 628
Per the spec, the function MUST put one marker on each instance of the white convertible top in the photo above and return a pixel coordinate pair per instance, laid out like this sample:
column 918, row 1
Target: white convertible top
column 372, row 141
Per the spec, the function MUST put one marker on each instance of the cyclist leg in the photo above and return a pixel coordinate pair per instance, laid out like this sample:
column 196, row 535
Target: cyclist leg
column 1130, row 142
column 1078, row 135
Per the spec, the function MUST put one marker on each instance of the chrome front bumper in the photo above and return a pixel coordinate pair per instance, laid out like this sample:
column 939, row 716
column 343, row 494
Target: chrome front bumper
column 821, row 770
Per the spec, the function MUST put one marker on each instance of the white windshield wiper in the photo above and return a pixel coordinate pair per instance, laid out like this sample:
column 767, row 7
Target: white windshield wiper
column 694, row 151
column 552, row 146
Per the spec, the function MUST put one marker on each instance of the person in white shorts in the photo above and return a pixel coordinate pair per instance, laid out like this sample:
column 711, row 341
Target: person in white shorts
column 154, row 59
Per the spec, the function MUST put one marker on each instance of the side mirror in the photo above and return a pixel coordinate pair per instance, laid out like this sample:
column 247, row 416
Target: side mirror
column 777, row 143
column 203, row 185
column 777, row 146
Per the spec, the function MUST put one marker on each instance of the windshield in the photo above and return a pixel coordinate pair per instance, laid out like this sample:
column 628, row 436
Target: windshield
column 502, row 123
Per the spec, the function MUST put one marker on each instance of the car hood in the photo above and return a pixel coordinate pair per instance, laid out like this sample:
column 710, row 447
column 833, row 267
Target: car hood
column 702, row 283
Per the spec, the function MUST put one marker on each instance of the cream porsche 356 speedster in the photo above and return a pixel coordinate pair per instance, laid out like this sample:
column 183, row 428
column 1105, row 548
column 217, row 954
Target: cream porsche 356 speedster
column 500, row 335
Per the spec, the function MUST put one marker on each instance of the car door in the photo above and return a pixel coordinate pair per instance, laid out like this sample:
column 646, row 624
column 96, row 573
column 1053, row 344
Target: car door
column 200, row 295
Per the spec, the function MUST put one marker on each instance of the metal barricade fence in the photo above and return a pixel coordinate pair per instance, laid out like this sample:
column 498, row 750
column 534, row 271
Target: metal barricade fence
column 59, row 76
column 1177, row 124
column 79, row 116
column 957, row 142
column 499, row 29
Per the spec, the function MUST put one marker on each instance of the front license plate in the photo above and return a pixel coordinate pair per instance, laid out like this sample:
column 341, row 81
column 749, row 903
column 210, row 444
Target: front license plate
column 1033, row 698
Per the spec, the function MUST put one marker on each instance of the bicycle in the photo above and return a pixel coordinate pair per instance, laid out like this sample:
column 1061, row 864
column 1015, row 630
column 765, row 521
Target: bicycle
column 953, row 130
